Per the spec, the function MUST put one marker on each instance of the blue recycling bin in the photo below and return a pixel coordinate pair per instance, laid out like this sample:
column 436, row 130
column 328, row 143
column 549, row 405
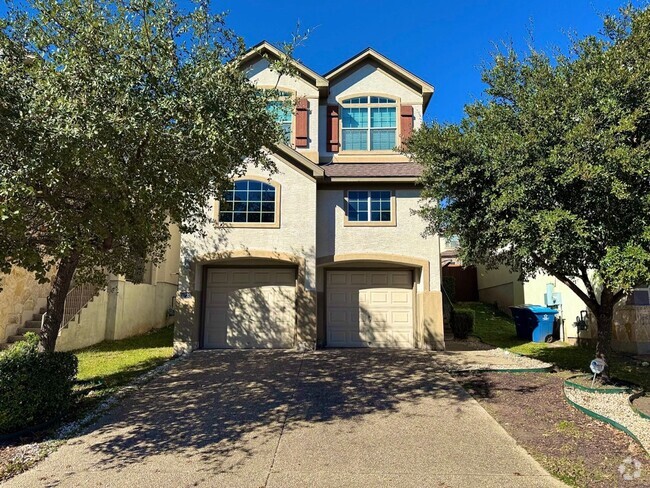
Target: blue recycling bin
column 535, row 323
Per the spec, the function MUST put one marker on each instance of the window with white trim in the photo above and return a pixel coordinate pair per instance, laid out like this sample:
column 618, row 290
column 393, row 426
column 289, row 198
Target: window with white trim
column 282, row 112
column 370, row 206
column 368, row 123
column 249, row 201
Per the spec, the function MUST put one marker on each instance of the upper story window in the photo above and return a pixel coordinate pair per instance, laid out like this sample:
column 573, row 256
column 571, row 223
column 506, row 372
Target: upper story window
column 370, row 208
column 282, row 112
column 250, row 202
column 369, row 123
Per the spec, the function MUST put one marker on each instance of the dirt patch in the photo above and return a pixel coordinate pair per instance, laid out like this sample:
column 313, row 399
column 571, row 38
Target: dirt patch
column 642, row 404
column 570, row 445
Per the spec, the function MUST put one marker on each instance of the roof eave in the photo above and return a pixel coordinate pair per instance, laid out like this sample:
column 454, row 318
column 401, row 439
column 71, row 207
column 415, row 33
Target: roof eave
column 266, row 47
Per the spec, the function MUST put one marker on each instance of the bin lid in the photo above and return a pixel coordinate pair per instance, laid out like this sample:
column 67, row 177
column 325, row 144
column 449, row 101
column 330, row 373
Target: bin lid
column 538, row 309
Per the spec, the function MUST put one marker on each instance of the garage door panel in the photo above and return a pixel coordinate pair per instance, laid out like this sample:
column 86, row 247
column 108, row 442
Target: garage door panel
column 250, row 308
column 364, row 309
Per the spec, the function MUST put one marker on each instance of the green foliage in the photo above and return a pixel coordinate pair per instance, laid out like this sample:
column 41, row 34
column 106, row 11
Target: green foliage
column 462, row 323
column 551, row 170
column 118, row 118
column 35, row 387
column 449, row 285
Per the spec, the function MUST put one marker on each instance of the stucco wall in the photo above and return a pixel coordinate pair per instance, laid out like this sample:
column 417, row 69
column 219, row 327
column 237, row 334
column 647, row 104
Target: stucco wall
column 261, row 75
column 294, row 238
column 296, row 234
column 88, row 328
column 405, row 239
column 367, row 78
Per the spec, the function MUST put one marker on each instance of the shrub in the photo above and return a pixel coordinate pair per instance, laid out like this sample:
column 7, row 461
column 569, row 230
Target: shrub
column 462, row 323
column 449, row 285
column 35, row 387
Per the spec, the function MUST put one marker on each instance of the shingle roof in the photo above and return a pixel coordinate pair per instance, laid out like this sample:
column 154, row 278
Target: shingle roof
column 372, row 170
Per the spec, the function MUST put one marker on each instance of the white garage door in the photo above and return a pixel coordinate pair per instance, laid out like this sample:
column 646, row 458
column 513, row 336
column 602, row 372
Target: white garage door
column 368, row 308
column 250, row 308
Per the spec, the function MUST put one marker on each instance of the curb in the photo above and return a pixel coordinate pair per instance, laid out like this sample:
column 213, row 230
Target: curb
column 631, row 399
column 613, row 390
column 601, row 418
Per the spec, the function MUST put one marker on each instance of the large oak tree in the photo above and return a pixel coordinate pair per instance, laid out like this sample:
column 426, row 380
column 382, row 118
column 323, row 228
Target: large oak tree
column 117, row 118
column 550, row 171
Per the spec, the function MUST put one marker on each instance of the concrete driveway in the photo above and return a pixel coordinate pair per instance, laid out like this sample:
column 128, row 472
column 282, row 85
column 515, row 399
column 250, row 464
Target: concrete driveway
column 286, row 419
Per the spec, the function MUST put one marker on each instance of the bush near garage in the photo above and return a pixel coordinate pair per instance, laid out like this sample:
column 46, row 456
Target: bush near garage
column 35, row 387
column 462, row 323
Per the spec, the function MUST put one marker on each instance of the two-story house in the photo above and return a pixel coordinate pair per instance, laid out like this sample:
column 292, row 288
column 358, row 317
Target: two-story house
column 327, row 251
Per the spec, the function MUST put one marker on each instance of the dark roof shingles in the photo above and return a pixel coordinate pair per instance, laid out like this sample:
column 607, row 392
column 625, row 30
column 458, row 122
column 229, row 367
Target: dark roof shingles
column 372, row 170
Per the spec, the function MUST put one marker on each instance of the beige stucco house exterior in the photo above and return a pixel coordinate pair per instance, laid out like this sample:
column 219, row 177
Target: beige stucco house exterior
column 327, row 250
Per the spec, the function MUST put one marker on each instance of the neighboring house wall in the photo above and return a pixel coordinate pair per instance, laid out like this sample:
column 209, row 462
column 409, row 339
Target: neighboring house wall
column 21, row 297
column 293, row 242
column 631, row 331
column 121, row 310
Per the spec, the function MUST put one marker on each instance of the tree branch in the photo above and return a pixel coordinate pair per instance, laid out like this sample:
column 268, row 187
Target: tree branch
column 590, row 302
column 618, row 295
column 585, row 279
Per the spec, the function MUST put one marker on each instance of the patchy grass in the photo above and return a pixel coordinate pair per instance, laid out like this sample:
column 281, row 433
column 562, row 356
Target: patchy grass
column 115, row 363
column 497, row 329
column 571, row 446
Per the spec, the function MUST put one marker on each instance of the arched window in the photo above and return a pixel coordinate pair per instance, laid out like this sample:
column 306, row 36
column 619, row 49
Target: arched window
column 368, row 123
column 249, row 201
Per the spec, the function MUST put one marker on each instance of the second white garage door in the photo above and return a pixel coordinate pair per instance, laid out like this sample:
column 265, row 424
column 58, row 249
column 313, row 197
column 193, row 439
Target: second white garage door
column 250, row 308
column 369, row 308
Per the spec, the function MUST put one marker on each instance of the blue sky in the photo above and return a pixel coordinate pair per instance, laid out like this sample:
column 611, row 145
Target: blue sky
column 443, row 42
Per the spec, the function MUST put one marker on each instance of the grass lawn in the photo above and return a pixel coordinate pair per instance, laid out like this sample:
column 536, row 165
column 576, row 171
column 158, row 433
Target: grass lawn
column 115, row 363
column 498, row 329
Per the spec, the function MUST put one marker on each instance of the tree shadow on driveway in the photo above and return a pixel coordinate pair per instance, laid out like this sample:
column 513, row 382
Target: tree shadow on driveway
column 219, row 409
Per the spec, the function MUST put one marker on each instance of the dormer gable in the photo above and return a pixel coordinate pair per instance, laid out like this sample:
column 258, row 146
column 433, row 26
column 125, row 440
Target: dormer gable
column 267, row 51
column 372, row 58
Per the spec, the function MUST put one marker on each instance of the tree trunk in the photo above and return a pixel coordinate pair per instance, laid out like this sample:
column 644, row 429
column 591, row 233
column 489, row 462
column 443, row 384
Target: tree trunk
column 56, row 302
column 604, row 320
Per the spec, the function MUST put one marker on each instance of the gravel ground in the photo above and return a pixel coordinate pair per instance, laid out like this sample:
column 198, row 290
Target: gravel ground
column 615, row 407
column 495, row 359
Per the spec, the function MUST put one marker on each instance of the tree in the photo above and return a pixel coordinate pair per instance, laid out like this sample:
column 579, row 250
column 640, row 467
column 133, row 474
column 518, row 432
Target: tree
column 551, row 171
column 117, row 119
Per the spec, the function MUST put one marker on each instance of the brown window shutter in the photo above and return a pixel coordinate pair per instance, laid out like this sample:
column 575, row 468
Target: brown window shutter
column 302, row 122
column 333, row 128
column 406, row 121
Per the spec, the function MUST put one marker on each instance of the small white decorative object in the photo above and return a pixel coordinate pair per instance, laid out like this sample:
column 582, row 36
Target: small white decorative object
column 597, row 366
column 645, row 364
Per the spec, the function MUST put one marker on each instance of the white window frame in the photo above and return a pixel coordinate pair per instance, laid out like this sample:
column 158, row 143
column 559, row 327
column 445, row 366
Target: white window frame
column 371, row 223
column 256, row 225
column 368, row 105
